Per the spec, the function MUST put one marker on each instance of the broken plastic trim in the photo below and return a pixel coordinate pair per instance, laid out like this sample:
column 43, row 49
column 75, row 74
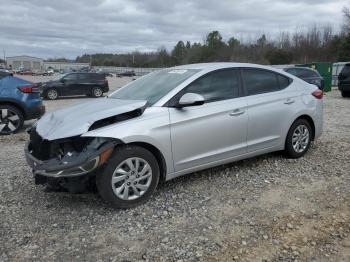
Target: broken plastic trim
column 73, row 163
column 88, row 167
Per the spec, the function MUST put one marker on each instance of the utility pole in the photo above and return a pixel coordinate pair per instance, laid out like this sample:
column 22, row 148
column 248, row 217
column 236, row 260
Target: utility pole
column 4, row 55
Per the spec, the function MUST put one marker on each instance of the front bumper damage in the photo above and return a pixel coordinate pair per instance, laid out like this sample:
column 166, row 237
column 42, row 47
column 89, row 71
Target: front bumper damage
column 65, row 160
column 70, row 165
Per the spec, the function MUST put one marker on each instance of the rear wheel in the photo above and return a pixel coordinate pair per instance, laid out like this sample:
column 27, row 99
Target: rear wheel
column 298, row 139
column 97, row 92
column 52, row 94
column 130, row 177
column 345, row 93
column 11, row 119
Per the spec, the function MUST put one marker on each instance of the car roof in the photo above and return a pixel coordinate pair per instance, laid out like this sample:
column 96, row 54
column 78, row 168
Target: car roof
column 222, row 65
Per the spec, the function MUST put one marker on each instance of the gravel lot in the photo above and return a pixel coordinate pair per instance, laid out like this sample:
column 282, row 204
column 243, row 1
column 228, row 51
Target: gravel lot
column 266, row 208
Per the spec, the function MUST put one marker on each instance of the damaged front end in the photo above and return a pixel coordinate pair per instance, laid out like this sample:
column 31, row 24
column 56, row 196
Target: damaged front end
column 66, row 160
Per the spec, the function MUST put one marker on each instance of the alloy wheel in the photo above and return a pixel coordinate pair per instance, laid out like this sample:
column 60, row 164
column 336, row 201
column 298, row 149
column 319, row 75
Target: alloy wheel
column 300, row 138
column 52, row 94
column 132, row 178
column 9, row 121
column 97, row 92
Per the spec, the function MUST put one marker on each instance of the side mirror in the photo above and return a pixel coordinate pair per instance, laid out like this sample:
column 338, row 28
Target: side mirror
column 191, row 99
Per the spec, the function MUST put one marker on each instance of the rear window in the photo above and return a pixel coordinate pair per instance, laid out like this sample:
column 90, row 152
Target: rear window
column 346, row 70
column 303, row 73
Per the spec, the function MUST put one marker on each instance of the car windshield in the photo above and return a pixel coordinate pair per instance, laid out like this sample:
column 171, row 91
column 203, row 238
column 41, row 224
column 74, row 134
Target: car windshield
column 154, row 86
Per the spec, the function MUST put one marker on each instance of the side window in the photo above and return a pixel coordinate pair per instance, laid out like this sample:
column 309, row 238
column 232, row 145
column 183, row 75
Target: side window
column 258, row 81
column 71, row 77
column 283, row 81
column 83, row 77
column 216, row 86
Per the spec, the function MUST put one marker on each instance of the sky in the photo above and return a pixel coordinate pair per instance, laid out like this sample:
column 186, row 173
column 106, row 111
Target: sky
column 67, row 28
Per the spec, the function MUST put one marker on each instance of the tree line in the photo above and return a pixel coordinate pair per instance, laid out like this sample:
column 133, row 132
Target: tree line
column 313, row 44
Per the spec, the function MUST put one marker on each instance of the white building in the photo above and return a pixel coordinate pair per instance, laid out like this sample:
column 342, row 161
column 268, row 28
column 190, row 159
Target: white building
column 26, row 62
column 38, row 64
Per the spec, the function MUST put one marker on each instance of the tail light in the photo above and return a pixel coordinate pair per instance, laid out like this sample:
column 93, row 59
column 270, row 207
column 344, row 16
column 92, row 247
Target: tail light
column 318, row 94
column 29, row 89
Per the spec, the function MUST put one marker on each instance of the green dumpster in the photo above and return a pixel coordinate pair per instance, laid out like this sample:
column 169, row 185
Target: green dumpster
column 325, row 70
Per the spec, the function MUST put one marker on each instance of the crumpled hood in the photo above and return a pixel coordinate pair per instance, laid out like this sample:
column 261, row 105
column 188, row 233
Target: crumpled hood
column 76, row 120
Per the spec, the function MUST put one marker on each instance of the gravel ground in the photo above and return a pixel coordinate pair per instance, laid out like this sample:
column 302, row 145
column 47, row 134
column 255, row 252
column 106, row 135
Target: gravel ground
column 266, row 208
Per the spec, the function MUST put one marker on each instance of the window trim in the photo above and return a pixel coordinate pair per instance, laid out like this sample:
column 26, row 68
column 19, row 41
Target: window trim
column 290, row 80
column 172, row 102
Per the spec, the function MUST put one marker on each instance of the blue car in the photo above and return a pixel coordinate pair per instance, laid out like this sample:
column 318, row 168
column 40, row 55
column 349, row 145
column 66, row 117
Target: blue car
column 19, row 101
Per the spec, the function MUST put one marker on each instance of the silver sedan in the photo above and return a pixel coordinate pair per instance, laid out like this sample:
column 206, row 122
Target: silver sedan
column 173, row 122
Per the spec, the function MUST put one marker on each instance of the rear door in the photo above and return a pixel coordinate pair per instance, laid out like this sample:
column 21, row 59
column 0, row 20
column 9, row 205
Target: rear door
column 86, row 83
column 69, row 85
column 272, row 102
column 214, row 131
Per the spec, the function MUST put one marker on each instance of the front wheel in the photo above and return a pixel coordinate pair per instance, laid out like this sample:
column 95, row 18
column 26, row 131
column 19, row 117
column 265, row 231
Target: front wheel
column 97, row 92
column 129, row 178
column 298, row 139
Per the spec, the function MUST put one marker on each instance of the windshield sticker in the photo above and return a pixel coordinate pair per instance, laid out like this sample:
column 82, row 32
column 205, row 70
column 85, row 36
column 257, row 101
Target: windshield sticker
column 178, row 71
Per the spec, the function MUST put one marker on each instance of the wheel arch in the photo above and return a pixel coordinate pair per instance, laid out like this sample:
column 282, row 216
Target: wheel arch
column 51, row 87
column 310, row 120
column 14, row 104
column 157, row 154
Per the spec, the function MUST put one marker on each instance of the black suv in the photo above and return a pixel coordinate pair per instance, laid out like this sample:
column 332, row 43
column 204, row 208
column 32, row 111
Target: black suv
column 344, row 81
column 90, row 84
column 307, row 74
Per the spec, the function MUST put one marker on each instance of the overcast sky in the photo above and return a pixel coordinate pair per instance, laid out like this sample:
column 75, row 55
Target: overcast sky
column 67, row 28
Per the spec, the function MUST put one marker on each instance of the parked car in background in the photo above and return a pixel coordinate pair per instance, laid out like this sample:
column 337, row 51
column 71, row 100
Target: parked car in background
column 174, row 122
column 344, row 81
column 49, row 72
column 127, row 73
column 107, row 74
column 5, row 70
column 25, row 72
column 19, row 101
column 309, row 75
column 90, row 84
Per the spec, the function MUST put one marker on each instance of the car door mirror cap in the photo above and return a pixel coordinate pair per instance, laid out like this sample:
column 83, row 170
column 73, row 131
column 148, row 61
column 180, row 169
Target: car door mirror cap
column 191, row 99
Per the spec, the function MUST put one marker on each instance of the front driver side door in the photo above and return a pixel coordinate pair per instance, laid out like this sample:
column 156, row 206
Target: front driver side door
column 214, row 131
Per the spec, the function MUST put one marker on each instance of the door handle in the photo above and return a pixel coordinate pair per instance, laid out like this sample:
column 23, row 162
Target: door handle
column 237, row 112
column 289, row 101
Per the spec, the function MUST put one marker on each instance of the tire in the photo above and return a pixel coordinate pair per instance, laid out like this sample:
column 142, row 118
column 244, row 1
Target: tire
column 11, row 119
column 345, row 93
column 300, row 131
column 121, row 194
column 97, row 92
column 51, row 94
